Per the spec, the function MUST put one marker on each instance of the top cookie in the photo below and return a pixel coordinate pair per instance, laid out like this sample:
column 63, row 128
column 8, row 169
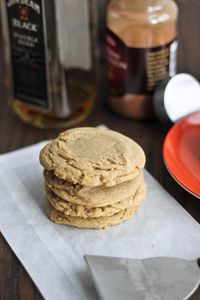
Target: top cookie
column 93, row 156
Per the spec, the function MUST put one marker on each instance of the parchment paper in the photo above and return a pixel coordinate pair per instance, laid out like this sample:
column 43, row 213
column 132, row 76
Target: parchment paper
column 53, row 254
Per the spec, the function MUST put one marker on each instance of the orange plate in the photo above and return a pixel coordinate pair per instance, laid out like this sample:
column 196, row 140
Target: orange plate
column 181, row 152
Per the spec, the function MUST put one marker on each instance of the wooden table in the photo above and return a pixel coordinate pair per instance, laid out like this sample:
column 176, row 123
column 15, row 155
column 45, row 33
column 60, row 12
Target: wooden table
column 15, row 283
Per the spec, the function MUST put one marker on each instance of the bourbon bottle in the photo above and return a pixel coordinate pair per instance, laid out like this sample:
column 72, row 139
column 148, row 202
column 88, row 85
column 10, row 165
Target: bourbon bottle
column 49, row 60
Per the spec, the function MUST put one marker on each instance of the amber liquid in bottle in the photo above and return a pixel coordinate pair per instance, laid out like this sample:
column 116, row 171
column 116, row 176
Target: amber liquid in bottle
column 44, row 87
column 80, row 103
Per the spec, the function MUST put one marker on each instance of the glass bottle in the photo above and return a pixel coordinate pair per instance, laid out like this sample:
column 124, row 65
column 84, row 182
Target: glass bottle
column 141, row 52
column 49, row 50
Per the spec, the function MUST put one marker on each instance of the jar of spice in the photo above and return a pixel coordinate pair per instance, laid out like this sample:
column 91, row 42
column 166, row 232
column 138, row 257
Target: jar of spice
column 141, row 52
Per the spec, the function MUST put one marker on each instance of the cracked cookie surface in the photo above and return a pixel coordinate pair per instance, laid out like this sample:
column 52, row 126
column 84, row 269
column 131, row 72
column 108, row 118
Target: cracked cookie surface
column 93, row 156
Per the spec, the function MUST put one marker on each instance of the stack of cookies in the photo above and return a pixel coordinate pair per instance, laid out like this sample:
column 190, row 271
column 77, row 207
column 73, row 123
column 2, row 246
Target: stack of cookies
column 93, row 177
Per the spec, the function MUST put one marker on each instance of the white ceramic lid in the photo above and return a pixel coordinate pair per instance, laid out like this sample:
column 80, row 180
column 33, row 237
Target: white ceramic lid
column 177, row 97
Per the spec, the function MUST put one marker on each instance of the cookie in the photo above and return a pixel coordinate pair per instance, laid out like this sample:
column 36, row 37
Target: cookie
column 70, row 187
column 76, row 210
column 96, row 223
column 97, row 196
column 93, row 157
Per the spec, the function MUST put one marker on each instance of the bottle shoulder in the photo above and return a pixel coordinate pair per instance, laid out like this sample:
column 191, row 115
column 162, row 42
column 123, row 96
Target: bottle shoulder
column 140, row 28
column 152, row 14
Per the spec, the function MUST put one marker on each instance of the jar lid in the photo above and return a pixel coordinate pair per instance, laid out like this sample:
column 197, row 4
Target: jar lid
column 177, row 97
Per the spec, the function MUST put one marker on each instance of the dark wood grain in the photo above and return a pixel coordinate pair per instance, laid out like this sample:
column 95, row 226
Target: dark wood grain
column 189, row 36
column 15, row 283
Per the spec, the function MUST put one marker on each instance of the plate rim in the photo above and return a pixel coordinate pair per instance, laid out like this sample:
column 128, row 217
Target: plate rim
column 178, row 124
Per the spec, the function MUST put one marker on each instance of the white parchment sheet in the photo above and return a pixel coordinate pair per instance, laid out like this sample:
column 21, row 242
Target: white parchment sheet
column 53, row 254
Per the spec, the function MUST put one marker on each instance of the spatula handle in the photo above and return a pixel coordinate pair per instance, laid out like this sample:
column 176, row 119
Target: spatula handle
column 198, row 261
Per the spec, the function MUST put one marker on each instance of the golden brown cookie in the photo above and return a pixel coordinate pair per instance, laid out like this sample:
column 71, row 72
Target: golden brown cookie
column 76, row 210
column 98, row 223
column 93, row 157
column 97, row 196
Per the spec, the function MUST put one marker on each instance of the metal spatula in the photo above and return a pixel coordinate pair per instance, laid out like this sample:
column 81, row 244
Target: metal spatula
column 159, row 278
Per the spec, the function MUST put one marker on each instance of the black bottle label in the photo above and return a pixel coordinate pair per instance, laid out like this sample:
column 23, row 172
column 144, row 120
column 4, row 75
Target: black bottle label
column 27, row 42
column 138, row 70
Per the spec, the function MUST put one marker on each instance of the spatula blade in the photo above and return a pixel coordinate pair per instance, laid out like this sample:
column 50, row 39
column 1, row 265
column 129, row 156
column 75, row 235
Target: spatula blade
column 159, row 278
